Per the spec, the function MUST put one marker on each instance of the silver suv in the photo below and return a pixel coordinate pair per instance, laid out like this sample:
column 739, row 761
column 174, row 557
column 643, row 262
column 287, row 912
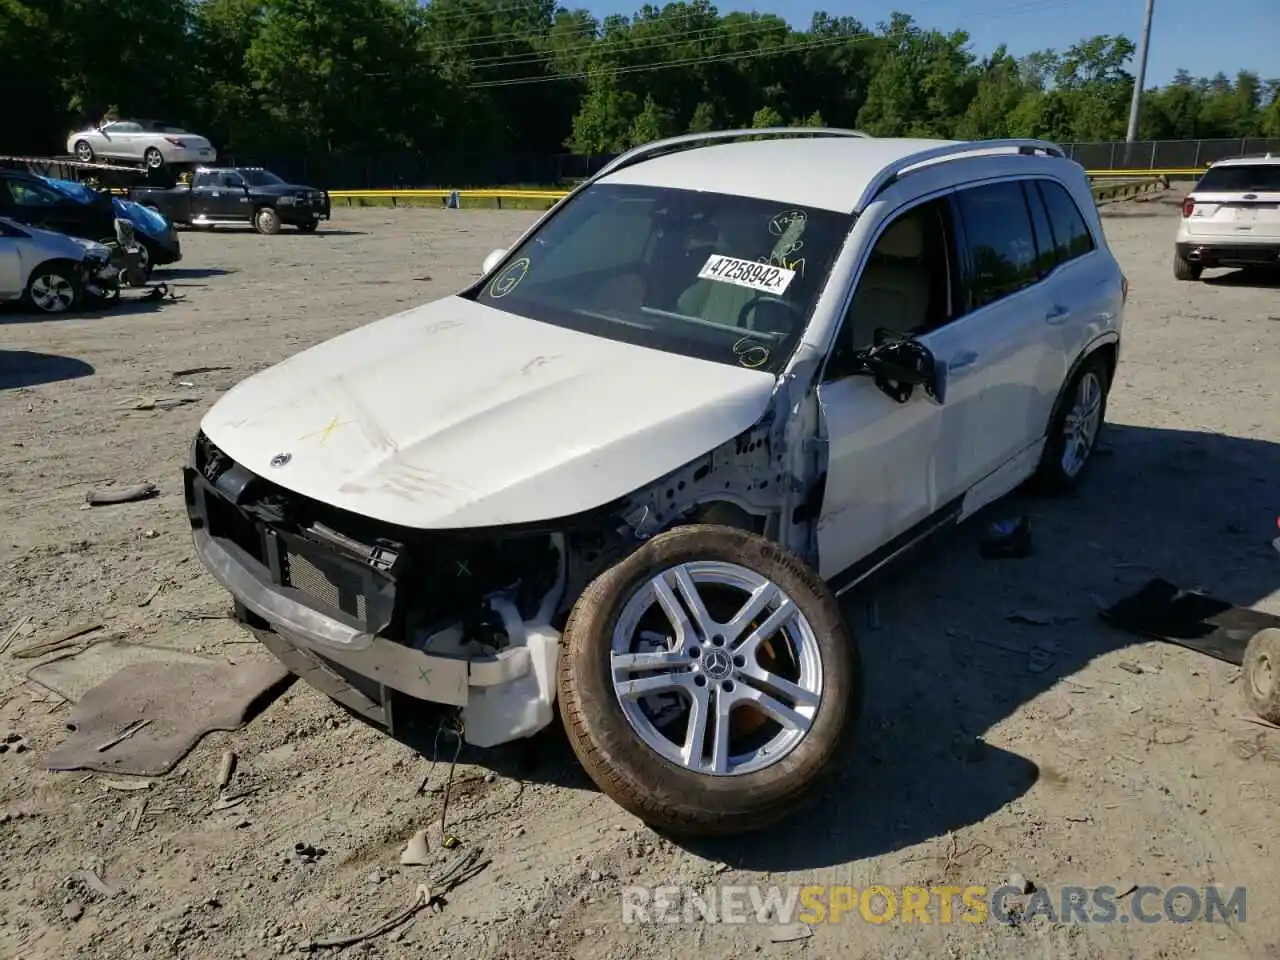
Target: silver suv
column 631, row 468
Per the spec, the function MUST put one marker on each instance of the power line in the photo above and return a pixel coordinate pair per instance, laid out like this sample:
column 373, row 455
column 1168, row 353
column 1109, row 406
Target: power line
column 641, row 44
column 821, row 43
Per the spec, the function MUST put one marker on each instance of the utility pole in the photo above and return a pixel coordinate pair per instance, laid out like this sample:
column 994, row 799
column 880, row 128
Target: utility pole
column 1139, row 81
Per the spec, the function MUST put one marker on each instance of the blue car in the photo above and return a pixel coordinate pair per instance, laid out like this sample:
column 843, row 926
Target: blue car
column 156, row 234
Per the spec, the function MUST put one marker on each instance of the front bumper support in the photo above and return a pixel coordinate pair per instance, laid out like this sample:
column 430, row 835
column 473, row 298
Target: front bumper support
column 503, row 697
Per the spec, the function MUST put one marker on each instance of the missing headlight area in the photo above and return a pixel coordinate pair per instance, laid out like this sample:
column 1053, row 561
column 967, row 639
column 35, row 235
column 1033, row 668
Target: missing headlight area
column 463, row 595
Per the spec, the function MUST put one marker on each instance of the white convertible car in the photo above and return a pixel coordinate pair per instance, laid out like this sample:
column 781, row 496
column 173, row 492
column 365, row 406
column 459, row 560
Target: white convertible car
column 152, row 142
column 631, row 468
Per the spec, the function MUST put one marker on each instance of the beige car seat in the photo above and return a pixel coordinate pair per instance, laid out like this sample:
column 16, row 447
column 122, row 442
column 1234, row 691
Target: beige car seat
column 893, row 292
column 724, row 302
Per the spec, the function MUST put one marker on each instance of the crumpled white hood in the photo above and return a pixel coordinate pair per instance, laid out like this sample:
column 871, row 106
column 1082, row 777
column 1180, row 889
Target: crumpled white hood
column 454, row 415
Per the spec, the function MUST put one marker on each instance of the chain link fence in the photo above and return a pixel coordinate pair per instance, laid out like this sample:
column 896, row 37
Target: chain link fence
column 1165, row 154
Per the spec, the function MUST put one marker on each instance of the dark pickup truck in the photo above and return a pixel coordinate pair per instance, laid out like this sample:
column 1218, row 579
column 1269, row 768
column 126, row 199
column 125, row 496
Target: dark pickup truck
column 236, row 196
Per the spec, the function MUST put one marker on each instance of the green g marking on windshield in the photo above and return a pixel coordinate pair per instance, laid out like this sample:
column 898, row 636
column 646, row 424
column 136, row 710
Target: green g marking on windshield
column 509, row 278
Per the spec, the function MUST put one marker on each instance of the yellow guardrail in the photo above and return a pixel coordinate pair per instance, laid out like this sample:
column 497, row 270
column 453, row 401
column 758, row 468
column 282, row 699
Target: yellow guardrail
column 359, row 197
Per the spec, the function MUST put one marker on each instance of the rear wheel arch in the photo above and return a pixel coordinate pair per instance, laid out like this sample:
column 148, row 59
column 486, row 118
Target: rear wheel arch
column 1106, row 350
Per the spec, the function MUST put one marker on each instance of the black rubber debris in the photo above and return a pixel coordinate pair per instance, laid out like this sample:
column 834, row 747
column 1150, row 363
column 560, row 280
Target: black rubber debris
column 1007, row 539
column 1164, row 611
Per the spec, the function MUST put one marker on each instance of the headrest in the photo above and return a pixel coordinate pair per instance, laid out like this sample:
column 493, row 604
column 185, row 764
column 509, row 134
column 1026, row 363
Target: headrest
column 904, row 239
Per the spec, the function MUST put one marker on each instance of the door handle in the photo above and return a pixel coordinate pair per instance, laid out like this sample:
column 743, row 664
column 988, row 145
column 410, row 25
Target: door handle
column 962, row 360
column 1057, row 315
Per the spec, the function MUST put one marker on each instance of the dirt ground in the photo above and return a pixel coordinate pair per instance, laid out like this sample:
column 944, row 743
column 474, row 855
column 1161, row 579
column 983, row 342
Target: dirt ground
column 989, row 747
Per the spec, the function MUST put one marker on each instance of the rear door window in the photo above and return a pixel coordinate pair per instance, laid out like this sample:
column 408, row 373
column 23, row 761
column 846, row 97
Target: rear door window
column 1047, row 254
column 1000, row 244
column 1241, row 178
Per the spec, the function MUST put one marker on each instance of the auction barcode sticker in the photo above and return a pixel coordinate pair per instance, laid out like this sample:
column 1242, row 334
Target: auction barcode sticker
column 747, row 273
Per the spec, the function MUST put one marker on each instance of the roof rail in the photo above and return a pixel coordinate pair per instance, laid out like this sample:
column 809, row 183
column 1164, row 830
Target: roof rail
column 951, row 151
column 656, row 148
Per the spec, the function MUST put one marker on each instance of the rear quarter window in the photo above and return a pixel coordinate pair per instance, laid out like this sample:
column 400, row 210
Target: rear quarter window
column 1241, row 178
column 1070, row 231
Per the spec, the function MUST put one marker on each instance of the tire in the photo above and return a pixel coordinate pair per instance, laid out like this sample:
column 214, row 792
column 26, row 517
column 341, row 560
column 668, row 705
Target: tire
column 153, row 158
column 53, row 288
column 266, row 220
column 146, row 262
column 1056, row 473
column 309, row 226
column 83, row 152
column 1261, row 673
column 1184, row 269
column 649, row 778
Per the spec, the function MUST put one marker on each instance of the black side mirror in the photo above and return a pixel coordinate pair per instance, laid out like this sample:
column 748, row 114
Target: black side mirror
column 899, row 366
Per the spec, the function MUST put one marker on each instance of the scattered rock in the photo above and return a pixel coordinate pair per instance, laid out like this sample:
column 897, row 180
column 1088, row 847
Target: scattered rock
column 789, row 932
column 73, row 911
column 417, row 852
column 1021, row 883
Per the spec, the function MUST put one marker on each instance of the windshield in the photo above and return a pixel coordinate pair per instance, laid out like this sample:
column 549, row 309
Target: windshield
column 260, row 178
column 1240, row 178
column 722, row 278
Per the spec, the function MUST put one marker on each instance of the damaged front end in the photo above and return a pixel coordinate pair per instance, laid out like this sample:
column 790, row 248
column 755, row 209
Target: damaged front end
column 98, row 278
column 393, row 623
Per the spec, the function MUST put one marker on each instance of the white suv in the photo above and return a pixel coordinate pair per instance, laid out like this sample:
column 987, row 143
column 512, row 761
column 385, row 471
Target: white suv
column 1231, row 218
column 631, row 468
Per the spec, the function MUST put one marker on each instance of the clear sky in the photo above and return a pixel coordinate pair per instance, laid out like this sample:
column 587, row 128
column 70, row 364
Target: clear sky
column 1202, row 37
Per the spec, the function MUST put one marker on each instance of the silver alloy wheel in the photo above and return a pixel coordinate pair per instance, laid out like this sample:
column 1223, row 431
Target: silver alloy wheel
column 154, row 158
column 52, row 293
column 84, row 152
column 714, row 666
column 1080, row 428
column 144, row 257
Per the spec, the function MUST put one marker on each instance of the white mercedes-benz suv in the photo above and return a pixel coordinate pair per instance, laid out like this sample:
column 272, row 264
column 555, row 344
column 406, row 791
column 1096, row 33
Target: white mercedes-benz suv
column 630, row 469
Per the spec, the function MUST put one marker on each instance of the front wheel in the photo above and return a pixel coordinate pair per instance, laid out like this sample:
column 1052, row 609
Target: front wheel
column 153, row 158
column 267, row 221
column 1073, row 433
column 53, row 288
column 709, row 682
column 84, row 152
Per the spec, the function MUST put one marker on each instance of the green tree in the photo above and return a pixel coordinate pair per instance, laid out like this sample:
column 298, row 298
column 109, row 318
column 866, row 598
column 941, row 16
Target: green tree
column 997, row 95
column 603, row 122
column 703, row 119
column 651, row 123
column 766, row 117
